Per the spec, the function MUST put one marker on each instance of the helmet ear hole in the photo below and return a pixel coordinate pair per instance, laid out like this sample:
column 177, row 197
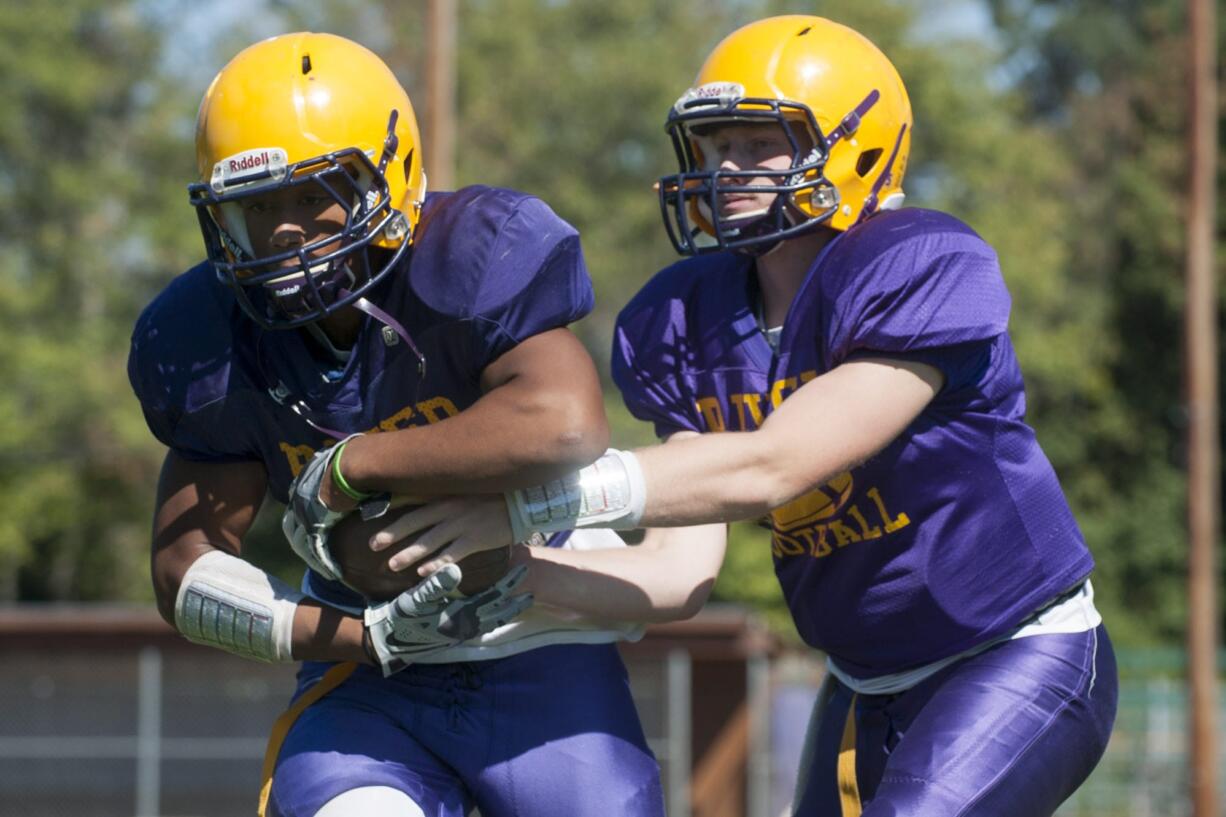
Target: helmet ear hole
column 408, row 166
column 867, row 161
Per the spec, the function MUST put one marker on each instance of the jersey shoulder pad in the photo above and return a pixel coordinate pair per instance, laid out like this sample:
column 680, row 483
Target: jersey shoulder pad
column 182, row 346
column 682, row 287
column 909, row 279
column 899, row 242
column 477, row 248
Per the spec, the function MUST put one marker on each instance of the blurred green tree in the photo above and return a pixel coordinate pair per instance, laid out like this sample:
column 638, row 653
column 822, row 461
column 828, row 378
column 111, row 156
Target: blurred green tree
column 1107, row 81
column 85, row 166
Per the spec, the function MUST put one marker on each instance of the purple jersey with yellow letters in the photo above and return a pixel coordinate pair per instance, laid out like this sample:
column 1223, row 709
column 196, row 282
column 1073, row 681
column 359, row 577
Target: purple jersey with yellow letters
column 487, row 269
column 955, row 532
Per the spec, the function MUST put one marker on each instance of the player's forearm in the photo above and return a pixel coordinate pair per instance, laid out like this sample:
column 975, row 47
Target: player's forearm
column 716, row 477
column 519, row 438
column 666, row 578
column 827, row 426
column 323, row 633
column 222, row 601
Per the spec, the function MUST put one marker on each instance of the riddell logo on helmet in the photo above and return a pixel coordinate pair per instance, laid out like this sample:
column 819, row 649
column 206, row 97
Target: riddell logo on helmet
column 250, row 162
column 722, row 93
column 250, row 166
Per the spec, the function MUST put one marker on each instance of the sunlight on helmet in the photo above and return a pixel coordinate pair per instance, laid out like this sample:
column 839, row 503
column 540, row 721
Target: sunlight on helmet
column 835, row 96
column 314, row 117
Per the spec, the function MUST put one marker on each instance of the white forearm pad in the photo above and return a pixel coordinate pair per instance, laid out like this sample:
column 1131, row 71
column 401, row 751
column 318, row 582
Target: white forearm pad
column 609, row 493
column 231, row 604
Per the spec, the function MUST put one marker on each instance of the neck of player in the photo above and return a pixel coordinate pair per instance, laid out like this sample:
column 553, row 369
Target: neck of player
column 782, row 270
column 342, row 327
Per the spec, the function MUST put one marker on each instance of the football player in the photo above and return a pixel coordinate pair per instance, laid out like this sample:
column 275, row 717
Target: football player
column 860, row 351
column 338, row 300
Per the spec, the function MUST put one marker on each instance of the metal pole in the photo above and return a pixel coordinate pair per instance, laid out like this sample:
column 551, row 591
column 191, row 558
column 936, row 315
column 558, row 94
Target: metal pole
column 679, row 732
column 440, row 94
column 149, row 734
column 759, row 772
column 1200, row 316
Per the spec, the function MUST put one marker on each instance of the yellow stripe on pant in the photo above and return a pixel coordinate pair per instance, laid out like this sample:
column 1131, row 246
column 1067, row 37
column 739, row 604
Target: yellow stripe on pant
column 849, row 790
column 280, row 728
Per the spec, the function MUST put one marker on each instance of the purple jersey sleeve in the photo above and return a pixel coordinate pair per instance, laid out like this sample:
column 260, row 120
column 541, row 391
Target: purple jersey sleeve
column 504, row 261
column 180, row 368
column 649, row 353
column 927, row 287
column 654, row 398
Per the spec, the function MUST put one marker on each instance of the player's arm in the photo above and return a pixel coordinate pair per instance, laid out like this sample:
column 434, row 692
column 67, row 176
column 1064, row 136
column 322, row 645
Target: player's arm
column 202, row 513
column 540, row 415
column 666, row 577
column 211, row 595
column 830, row 424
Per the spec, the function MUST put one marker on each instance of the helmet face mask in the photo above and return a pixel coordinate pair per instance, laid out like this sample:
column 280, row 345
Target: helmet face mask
column 690, row 200
column 847, row 117
column 305, row 283
column 313, row 117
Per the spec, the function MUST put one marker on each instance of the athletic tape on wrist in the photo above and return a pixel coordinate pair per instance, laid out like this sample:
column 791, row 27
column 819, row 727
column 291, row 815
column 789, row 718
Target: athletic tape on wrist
column 231, row 604
column 609, row 493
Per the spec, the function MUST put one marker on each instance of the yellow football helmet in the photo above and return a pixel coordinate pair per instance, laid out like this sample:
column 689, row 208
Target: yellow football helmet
column 845, row 112
column 307, row 109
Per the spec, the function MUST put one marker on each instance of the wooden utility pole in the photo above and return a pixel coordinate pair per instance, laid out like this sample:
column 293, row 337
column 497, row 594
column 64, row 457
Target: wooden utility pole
column 440, row 94
column 1204, row 460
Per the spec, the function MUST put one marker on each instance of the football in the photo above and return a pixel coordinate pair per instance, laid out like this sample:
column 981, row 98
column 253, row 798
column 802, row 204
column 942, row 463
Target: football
column 367, row 572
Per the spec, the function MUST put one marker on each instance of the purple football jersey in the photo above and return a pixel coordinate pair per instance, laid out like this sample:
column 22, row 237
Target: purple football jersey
column 487, row 269
column 951, row 535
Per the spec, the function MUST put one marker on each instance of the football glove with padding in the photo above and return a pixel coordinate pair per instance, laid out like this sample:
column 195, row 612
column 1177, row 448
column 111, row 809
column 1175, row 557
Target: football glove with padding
column 307, row 519
column 427, row 620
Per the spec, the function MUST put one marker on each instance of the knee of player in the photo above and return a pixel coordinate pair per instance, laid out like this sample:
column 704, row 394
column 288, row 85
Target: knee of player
column 382, row 800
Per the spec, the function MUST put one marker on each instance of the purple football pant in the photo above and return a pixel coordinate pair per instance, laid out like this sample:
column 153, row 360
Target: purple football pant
column 1011, row 732
column 551, row 732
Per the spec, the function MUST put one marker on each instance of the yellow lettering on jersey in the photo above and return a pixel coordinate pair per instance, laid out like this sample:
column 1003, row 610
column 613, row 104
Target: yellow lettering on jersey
column 298, row 456
column 783, row 545
column 815, row 537
column 434, row 410
column 866, row 532
column 398, row 420
column 805, row 377
column 712, row 414
column 435, row 406
column 748, row 410
column 843, row 535
column 891, row 525
column 780, row 390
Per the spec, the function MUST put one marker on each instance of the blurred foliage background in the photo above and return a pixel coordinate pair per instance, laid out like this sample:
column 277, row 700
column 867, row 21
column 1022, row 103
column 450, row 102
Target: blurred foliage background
column 1055, row 128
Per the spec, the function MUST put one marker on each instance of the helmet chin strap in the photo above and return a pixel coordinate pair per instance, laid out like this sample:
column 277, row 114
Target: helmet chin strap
column 766, row 223
column 391, row 329
column 398, row 331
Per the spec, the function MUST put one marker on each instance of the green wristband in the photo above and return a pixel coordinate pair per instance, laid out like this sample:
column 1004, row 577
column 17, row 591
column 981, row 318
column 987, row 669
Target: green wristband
column 339, row 479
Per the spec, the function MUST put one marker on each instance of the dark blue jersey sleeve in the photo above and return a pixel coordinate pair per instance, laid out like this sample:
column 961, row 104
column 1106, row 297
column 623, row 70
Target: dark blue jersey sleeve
column 505, row 262
column 179, row 366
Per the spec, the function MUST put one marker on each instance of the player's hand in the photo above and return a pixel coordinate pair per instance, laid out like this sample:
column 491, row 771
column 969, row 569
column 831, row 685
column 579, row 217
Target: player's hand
column 449, row 528
column 308, row 518
column 426, row 620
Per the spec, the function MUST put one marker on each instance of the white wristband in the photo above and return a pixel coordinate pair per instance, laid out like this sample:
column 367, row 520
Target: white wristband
column 609, row 493
column 231, row 604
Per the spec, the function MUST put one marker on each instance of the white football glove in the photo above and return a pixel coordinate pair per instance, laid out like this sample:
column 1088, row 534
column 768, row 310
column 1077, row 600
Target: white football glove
column 425, row 619
column 307, row 520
